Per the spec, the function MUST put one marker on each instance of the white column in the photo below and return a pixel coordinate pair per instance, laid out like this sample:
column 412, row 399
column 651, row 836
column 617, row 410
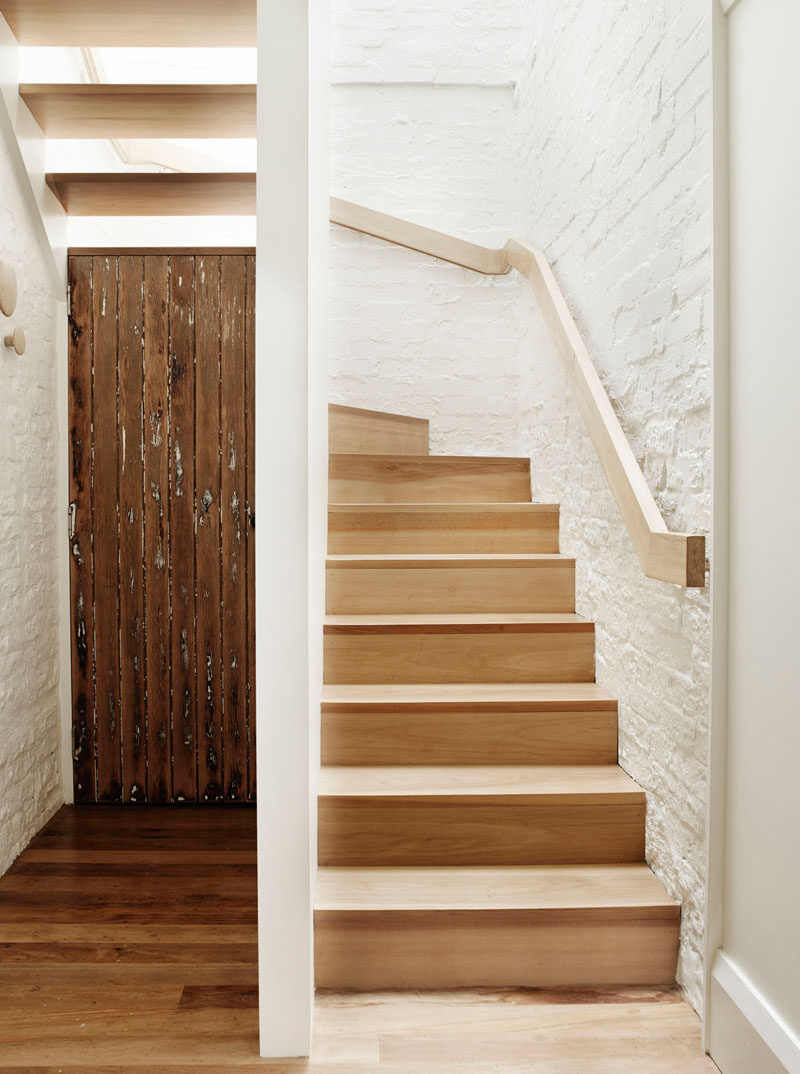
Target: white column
column 290, row 499
column 753, row 1015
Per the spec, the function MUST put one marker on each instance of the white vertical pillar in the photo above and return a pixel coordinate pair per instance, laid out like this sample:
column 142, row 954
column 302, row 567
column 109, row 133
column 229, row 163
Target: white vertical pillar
column 290, row 497
column 63, row 553
column 753, row 1005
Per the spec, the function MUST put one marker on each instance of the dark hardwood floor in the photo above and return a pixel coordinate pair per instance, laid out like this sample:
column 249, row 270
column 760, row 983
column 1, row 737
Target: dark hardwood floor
column 128, row 946
column 128, row 936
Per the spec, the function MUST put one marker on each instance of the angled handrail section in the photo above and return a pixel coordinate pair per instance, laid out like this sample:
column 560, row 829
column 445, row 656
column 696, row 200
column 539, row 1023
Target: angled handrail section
column 671, row 557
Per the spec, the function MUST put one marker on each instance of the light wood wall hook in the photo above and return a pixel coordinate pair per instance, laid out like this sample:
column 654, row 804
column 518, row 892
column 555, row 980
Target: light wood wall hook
column 16, row 340
column 8, row 289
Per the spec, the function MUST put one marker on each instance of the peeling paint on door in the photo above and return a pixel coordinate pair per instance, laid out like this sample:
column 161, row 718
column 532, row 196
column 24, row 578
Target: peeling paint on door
column 160, row 482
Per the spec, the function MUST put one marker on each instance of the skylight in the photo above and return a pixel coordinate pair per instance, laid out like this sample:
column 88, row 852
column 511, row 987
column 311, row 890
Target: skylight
column 218, row 66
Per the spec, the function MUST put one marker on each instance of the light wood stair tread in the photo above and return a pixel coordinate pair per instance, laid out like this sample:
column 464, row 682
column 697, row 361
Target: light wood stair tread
column 536, row 887
column 454, row 559
column 419, row 584
column 536, row 926
column 506, row 525
column 432, row 462
column 399, row 478
column 387, row 415
column 77, row 110
column 587, row 696
column 488, row 622
column 110, row 23
column 519, row 507
column 540, row 783
column 533, row 724
column 356, row 431
column 155, row 193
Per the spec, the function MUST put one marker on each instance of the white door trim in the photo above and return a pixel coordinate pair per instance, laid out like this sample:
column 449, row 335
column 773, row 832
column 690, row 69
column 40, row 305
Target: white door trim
column 760, row 1016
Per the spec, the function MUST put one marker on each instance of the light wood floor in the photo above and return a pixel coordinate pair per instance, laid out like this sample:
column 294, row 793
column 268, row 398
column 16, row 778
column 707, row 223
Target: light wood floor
column 128, row 944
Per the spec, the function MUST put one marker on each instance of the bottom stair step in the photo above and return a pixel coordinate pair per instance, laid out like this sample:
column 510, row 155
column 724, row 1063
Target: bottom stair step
column 536, row 927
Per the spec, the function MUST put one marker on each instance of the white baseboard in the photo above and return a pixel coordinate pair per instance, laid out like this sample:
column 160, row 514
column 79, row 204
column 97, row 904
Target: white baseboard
column 746, row 1033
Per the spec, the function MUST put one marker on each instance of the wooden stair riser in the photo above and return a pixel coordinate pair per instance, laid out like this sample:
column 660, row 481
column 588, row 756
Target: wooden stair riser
column 458, row 655
column 176, row 23
column 421, row 529
column 485, row 948
column 155, row 193
column 478, row 830
column 369, row 587
column 369, row 432
column 142, row 111
column 427, row 479
column 468, row 738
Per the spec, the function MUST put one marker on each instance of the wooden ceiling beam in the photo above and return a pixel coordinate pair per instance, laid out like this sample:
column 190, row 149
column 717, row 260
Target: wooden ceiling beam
column 143, row 111
column 109, row 23
column 155, row 193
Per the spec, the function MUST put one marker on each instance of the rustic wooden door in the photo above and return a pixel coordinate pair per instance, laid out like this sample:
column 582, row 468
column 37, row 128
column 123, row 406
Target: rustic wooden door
column 161, row 379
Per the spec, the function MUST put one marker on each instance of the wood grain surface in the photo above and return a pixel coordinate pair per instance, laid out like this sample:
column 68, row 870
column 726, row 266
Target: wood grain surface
column 127, row 946
column 162, row 577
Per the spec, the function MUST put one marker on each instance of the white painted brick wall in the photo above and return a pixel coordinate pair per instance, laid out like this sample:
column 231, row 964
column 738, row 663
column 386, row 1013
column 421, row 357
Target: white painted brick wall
column 440, row 155
column 431, row 141
column 468, row 41
column 613, row 113
column 30, row 783
column 428, row 339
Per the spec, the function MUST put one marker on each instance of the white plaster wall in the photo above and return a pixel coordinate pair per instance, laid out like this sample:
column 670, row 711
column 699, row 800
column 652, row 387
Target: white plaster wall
column 614, row 115
column 30, row 741
column 422, row 126
column 754, row 1015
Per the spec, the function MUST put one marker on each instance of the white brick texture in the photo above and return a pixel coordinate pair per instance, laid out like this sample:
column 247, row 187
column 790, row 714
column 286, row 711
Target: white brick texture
column 425, row 129
column 613, row 119
column 466, row 41
column 30, row 783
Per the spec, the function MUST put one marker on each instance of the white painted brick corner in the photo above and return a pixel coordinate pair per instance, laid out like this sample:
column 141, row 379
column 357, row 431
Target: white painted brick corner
column 30, row 781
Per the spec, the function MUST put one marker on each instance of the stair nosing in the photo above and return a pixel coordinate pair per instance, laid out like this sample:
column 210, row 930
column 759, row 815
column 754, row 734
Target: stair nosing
column 623, row 911
column 449, row 559
column 446, row 506
column 478, row 784
column 335, row 698
column 474, row 890
column 388, row 415
column 462, row 623
column 369, row 458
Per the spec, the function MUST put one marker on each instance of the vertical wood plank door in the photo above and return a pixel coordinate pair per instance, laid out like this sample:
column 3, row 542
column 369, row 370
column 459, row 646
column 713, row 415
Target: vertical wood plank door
column 161, row 527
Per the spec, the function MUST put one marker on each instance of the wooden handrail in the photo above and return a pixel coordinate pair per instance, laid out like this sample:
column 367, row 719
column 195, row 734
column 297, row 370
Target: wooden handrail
column 415, row 237
column 671, row 557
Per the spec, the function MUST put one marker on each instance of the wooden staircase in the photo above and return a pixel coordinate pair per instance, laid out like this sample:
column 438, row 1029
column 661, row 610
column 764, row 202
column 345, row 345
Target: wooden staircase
column 474, row 826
